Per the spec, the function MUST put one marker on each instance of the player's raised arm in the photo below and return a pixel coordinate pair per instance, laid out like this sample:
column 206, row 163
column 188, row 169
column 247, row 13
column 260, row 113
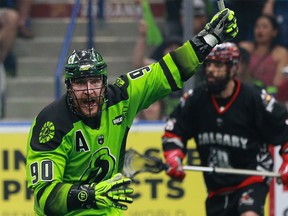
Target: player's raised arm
column 221, row 28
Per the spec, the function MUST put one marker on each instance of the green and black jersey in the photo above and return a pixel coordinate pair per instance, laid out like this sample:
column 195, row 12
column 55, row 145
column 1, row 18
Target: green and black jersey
column 64, row 149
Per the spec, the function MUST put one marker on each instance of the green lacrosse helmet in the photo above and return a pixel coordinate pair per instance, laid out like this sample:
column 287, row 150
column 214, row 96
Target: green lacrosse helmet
column 85, row 63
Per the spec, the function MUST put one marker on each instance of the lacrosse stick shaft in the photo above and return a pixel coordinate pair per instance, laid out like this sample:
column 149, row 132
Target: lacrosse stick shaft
column 221, row 5
column 231, row 171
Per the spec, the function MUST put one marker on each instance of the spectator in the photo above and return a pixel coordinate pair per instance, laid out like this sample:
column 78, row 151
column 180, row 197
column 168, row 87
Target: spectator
column 248, row 11
column 23, row 7
column 8, row 31
column 267, row 57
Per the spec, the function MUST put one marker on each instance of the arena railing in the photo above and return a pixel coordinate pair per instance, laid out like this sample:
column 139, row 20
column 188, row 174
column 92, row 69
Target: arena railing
column 67, row 42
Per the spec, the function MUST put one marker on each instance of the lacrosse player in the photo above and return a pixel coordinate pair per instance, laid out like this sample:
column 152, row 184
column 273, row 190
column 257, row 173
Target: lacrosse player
column 232, row 124
column 76, row 144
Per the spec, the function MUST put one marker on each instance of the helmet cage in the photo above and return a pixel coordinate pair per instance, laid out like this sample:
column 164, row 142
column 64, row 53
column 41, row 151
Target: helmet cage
column 75, row 103
column 225, row 53
column 85, row 64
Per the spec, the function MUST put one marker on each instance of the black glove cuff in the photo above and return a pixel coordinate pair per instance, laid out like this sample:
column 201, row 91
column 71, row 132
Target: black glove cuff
column 201, row 48
column 81, row 197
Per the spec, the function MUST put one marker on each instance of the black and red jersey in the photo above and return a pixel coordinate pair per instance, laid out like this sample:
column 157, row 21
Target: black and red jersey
column 231, row 133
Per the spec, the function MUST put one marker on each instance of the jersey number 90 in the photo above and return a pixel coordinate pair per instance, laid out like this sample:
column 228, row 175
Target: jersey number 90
column 44, row 172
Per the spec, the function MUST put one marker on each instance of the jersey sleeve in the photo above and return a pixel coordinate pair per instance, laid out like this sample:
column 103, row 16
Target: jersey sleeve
column 155, row 81
column 179, row 125
column 46, row 161
column 272, row 119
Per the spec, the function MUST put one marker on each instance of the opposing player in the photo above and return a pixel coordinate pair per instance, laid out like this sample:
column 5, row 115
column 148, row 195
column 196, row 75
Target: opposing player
column 76, row 144
column 232, row 125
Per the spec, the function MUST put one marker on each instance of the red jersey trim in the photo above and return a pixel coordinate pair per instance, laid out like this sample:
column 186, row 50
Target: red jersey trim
column 246, row 182
column 221, row 111
column 171, row 135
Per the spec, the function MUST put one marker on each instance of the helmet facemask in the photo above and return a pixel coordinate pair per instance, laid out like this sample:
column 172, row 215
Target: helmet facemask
column 86, row 95
column 86, row 82
column 225, row 53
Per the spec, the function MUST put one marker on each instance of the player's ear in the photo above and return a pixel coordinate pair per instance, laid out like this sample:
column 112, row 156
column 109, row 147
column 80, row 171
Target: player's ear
column 234, row 71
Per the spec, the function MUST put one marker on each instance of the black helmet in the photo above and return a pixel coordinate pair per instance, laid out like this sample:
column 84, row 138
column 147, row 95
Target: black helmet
column 85, row 63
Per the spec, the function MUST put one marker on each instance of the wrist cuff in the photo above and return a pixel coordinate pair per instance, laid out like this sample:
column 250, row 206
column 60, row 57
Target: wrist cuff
column 174, row 153
column 81, row 197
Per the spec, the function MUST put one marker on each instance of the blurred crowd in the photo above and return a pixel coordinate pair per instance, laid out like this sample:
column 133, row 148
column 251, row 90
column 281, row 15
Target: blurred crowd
column 262, row 40
column 14, row 22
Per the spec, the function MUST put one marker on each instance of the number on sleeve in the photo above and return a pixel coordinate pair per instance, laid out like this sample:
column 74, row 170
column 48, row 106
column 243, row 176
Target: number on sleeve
column 47, row 170
column 43, row 172
column 139, row 72
column 34, row 172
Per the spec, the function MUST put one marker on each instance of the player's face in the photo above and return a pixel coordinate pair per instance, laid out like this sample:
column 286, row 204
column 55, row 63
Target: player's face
column 88, row 95
column 215, row 71
column 216, row 76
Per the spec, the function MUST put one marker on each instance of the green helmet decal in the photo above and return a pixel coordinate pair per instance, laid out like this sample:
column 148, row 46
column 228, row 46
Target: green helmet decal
column 86, row 62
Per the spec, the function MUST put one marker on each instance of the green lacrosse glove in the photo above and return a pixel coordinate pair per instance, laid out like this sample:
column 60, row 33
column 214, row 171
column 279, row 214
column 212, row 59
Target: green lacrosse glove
column 221, row 28
column 111, row 193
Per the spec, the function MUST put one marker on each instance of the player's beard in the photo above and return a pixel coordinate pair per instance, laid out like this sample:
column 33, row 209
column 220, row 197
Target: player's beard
column 219, row 85
column 88, row 106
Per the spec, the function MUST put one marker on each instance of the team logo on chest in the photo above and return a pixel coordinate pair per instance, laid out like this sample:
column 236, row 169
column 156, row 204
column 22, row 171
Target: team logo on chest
column 246, row 199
